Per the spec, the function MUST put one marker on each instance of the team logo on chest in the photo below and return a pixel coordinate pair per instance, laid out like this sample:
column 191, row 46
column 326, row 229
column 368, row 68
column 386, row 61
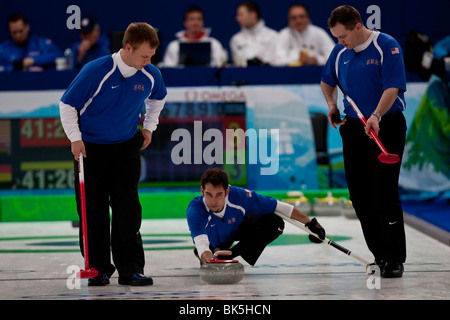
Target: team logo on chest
column 372, row 61
column 232, row 220
column 138, row 87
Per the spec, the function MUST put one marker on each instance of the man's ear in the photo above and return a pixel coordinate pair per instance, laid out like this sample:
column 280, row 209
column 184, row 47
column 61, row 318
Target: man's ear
column 128, row 48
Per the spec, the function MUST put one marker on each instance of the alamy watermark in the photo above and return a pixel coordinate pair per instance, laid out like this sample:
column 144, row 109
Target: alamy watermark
column 374, row 20
column 213, row 153
column 374, row 279
column 74, row 20
column 73, row 281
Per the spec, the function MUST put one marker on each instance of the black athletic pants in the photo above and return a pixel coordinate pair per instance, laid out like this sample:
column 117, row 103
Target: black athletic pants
column 254, row 234
column 111, row 175
column 373, row 186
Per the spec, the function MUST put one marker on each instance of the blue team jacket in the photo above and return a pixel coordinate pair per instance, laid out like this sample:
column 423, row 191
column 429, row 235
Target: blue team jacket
column 367, row 74
column 109, row 104
column 240, row 202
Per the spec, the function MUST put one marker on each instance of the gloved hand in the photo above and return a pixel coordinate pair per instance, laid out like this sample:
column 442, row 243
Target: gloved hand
column 315, row 227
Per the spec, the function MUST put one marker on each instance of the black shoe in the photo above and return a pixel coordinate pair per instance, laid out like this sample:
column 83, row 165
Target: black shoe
column 102, row 279
column 392, row 270
column 136, row 279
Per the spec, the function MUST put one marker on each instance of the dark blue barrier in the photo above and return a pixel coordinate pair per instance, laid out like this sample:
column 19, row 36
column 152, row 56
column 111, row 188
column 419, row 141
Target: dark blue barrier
column 180, row 77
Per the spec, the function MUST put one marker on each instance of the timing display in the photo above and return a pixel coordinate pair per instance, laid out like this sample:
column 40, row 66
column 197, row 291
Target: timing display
column 42, row 132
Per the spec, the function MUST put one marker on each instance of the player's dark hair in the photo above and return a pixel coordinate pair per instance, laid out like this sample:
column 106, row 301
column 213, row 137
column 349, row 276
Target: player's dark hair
column 345, row 15
column 192, row 9
column 17, row 17
column 251, row 7
column 139, row 32
column 216, row 177
column 300, row 5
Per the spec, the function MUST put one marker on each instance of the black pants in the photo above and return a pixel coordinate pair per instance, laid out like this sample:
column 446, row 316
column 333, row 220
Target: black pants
column 254, row 234
column 111, row 175
column 373, row 186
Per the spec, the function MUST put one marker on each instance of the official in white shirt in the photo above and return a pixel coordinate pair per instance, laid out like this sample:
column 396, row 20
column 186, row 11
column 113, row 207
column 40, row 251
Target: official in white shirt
column 302, row 43
column 254, row 43
column 194, row 32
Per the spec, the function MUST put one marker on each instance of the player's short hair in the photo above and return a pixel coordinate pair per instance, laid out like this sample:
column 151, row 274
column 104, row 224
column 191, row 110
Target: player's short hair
column 346, row 15
column 251, row 7
column 139, row 32
column 299, row 5
column 17, row 17
column 216, row 177
column 192, row 9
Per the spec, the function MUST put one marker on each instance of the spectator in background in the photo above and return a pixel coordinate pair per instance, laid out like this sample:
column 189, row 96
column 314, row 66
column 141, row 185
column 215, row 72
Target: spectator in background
column 194, row 32
column 93, row 43
column 441, row 51
column 254, row 44
column 302, row 43
column 26, row 51
column 442, row 48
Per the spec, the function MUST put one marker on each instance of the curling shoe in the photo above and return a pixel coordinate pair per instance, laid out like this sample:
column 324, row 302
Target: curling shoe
column 392, row 270
column 102, row 279
column 136, row 279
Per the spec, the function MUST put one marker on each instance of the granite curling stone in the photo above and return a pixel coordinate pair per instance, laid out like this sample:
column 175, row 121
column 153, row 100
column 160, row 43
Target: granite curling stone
column 221, row 271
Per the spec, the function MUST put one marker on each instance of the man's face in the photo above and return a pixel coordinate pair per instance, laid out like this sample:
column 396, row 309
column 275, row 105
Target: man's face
column 194, row 22
column 245, row 18
column 214, row 196
column 348, row 38
column 298, row 18
column 92, row 36
column 140, row 57
column 19, row 31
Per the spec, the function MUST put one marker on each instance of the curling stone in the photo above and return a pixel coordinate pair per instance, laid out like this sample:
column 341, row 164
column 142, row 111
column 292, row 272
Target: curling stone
column 347, row 209
column 328, row 206
column 222, row 271
column 298, row 200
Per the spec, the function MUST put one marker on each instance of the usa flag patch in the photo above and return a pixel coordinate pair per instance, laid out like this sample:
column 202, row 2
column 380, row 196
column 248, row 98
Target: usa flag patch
column 395, row 51
column 249, row 193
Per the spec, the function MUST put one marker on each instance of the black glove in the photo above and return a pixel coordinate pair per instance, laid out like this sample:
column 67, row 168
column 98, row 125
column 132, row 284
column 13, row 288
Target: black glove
column 315, row 227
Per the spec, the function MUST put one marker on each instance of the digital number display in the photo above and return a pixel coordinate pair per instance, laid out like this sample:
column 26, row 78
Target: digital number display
column 42, row 132
column 38, row 155
column 48, row 179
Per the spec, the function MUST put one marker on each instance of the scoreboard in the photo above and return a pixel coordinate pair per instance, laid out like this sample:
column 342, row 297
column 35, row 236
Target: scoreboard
column 35, row 152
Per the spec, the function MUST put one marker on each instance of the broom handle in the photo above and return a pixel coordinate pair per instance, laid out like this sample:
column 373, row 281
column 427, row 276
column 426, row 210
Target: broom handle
column 364, row 121
column 298, row 224
column 83, row 211
column 362, row 118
